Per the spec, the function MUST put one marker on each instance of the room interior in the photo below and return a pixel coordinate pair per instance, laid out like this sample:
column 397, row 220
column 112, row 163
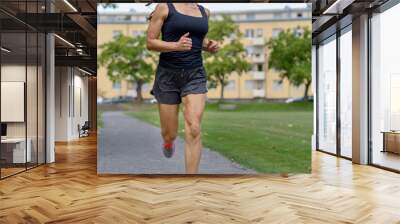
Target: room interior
column 22, row 101
column 33, row 68
column 334, row 40
column 385, row 89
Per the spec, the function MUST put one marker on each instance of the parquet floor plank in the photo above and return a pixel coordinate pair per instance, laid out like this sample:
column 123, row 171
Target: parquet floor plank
column 70, row 191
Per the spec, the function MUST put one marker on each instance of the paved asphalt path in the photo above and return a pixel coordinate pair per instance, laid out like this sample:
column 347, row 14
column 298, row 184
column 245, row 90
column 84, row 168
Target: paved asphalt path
column 129, row 146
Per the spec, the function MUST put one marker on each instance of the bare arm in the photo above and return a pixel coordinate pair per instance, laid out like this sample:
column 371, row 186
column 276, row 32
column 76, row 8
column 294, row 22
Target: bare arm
column 206, row 40
column 154, row 29
column 210, row 45
column 205, row 43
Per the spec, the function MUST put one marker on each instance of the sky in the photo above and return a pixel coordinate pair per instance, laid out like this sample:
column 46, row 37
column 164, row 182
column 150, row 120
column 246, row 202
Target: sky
column 214, row 7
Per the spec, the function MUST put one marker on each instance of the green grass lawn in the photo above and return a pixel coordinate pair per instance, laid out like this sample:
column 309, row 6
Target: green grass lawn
column 267, row 137
column 100, row 122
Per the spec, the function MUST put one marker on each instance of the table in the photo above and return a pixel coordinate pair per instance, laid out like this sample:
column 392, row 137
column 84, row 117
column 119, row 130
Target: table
column 391, row 141
column 18, row 151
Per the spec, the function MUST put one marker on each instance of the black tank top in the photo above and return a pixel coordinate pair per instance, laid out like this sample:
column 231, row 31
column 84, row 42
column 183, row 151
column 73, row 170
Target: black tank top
column 176, row 25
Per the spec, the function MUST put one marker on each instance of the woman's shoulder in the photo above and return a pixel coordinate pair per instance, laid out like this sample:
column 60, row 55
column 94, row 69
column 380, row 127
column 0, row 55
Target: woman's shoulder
column 206, row 10
column 162, row 9
column 162, row 6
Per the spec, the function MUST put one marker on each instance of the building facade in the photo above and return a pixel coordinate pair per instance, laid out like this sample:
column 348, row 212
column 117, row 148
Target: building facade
column 256, row 26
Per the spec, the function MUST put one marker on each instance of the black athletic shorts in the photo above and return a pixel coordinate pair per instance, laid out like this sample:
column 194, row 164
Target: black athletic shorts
column 171, row 85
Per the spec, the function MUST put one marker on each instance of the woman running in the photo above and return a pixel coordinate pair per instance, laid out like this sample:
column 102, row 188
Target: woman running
column 180, row 75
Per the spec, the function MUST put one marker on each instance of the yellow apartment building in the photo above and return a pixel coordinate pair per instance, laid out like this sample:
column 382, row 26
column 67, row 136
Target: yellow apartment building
column 257, row 27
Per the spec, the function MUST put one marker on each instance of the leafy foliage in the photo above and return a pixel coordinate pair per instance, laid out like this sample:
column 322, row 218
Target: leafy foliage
column 128, row 58
column 230, row 57
column 290, row 54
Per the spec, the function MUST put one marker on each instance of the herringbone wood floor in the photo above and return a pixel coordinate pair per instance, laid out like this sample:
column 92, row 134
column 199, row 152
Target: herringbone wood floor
column 69, row 191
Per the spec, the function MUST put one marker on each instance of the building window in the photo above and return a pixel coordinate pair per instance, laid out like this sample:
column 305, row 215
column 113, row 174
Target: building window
column 327, row 95
column 299, row 15
column 249, row 84
column 230, row 85
column 116, row 85
column 249, row 33
column 116, row 33
column 298, row 32
column 135, row 33
column 259, row 33
column 385, row 89
column 232, row 36
column 260, row 67
column 277, row 85
column 276, row 32
column 346, row 94
column 277, row 15
column 259, row 84
column 250, row 16
column 248, row 51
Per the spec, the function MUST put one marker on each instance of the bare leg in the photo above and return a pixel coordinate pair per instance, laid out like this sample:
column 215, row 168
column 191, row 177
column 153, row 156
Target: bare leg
column 168, row 121
column 193, row 112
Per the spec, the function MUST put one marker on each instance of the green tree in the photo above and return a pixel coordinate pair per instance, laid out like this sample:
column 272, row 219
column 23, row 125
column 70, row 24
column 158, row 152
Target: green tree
column 128, row 58
column 290, row 54
column 230, row 57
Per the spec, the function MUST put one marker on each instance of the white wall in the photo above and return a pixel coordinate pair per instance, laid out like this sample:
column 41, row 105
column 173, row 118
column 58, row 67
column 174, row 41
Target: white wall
column 12, row 100
column 62, row 81
column 80, row 96
column 14, row 73
column 71, row 94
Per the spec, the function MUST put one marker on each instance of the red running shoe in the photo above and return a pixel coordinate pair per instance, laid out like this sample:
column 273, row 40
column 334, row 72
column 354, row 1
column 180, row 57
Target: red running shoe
column 168, row 149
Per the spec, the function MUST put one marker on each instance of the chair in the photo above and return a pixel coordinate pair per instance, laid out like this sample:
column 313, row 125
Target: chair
column 84, row 130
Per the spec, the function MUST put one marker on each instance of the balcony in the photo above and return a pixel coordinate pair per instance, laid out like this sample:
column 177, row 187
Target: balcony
column 258, row 41
column 257, row 75
column 259, row 59
column 258, row 93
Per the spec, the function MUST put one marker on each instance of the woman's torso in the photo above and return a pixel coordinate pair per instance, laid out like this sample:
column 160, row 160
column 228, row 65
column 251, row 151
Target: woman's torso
column 175, row 26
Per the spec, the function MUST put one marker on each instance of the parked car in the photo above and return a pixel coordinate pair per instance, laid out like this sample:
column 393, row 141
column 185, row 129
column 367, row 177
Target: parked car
column 116, row 100
column 106, row 101
column 299, row 99
column 153, row 101
column 100, row 100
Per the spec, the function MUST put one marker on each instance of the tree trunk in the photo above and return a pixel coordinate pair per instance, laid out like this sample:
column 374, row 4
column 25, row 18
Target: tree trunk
column 139, row 96
column 307, row 86
column 221, row 98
